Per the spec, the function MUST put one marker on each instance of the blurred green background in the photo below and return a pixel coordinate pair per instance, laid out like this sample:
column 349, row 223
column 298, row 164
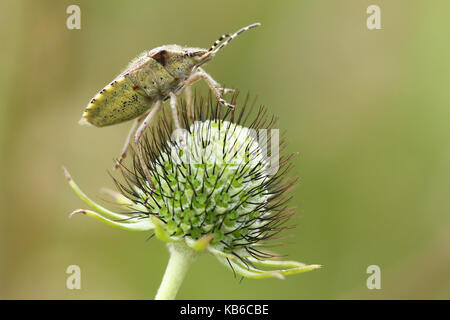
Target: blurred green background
column 368, row 112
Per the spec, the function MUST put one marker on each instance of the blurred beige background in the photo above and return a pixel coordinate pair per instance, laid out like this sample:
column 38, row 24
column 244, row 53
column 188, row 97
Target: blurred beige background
column 368, row 112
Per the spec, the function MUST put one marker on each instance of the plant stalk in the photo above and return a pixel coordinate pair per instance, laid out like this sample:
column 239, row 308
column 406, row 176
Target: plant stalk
column 181, row 257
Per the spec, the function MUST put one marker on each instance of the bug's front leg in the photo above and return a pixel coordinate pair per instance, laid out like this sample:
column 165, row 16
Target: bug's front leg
column 213, row 85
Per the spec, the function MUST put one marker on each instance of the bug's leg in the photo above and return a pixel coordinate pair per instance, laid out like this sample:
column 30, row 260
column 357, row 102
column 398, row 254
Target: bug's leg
column 173, row 106
column 140, row 132
column 178, row 134
column 214, row 83
column 226, row 90
column 201, row 74
column 123, row 154
column 215, row 87
column 147, row 120
column 190, row 109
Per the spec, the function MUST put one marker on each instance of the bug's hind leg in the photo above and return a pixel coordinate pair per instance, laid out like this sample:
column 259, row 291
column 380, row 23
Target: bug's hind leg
column 123, row 154
column 140, row 132
column 147, row 120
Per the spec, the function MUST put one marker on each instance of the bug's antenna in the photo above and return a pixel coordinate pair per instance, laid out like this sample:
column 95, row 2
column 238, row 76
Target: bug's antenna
column 215, row 47
column 234, row 35
column 216, row 43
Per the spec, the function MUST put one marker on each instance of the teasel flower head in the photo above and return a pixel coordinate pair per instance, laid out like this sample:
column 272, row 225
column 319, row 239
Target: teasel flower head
column 210, row 187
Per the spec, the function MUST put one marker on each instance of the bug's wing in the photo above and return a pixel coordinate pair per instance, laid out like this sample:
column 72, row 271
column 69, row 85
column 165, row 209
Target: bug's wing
column 119, row 101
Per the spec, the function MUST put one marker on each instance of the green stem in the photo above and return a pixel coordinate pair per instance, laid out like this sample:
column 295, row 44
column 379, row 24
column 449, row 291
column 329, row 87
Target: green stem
column 181, row 257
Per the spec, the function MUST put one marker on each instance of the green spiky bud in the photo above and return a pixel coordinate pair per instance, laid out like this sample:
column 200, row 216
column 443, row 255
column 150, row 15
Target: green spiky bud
column 213, row 182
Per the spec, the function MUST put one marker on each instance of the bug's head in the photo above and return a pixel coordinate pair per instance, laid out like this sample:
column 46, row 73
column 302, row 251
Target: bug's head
column 196, row 55
column 206, row 55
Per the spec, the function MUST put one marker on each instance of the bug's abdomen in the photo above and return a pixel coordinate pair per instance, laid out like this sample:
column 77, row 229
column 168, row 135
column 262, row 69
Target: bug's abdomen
column 119, row 101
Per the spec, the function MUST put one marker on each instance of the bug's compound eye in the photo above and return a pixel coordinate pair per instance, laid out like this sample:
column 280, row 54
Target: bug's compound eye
column 161, row 56
column 199, row 53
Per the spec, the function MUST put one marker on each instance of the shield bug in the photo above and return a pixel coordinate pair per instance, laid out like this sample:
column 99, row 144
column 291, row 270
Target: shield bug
column 153, row 77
